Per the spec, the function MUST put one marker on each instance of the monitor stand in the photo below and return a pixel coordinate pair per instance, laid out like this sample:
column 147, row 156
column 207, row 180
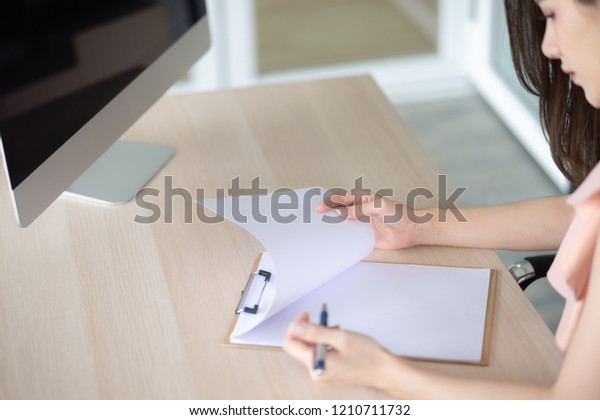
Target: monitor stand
column 120, row 172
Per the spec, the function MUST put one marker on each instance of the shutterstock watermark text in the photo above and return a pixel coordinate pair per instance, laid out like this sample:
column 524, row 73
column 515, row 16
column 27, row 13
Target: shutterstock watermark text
column 287, row 205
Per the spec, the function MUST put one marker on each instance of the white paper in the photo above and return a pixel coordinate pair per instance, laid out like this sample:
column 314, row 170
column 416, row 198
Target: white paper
column 304, row 253
column 416, row 311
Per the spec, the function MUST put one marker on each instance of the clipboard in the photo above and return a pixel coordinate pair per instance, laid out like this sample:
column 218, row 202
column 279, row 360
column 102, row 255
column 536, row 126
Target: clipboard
column 258, row 279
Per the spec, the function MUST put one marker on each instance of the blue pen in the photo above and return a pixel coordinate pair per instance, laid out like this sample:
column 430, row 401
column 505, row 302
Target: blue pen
column 320, row 350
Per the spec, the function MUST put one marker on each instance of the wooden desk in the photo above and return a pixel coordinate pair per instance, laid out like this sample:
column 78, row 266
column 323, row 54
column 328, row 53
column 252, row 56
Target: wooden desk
column 94, row 305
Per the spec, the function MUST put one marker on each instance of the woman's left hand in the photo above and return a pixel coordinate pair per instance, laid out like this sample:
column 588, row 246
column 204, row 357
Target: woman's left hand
column 352, row 358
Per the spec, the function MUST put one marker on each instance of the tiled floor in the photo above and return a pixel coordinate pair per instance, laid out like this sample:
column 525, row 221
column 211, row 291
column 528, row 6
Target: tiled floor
column 472, row 146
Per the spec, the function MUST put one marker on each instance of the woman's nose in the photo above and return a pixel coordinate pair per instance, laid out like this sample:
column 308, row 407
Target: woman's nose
column 549, row 45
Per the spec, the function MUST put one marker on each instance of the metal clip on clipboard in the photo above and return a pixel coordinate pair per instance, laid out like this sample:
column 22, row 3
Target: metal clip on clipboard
column 252, row 310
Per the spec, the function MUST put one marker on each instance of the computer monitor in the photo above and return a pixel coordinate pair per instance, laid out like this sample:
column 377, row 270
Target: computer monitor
column 75, row 76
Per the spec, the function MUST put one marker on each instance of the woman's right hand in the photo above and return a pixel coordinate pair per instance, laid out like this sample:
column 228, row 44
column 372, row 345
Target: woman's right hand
column 351, row 358
column 390, row 220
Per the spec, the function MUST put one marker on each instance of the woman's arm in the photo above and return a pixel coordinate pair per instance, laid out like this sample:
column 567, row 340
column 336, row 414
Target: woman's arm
column 536, row 224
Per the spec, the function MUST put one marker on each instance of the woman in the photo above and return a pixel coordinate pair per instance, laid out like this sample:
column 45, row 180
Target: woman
column 565, row 74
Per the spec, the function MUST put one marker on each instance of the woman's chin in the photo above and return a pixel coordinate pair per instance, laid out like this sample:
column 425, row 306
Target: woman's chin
column 593, row 97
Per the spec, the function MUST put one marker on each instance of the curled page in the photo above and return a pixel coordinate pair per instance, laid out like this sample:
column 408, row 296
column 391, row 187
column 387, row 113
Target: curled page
column 305, row 248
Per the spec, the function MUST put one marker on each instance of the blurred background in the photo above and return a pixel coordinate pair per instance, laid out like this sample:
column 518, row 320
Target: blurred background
column 444, row 64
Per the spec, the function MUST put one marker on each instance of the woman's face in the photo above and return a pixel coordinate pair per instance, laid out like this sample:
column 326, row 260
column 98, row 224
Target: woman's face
column 573, row 37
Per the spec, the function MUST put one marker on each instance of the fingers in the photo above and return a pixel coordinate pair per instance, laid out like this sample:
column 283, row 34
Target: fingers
column 349, row 199
column 334, row 201
column 353, row 358
column 362, row 212
column 300, row 342
column 362, row 207
column 299, row 350
column 300, row 320
column 301, row 337
column 295, row 347
column 378, row 206
column 314, row 334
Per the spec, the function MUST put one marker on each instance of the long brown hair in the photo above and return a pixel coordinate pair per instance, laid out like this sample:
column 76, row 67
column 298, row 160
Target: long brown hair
column 571, row 125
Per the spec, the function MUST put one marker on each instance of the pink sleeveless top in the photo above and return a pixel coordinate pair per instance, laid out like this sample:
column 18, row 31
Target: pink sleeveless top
column 571, row 269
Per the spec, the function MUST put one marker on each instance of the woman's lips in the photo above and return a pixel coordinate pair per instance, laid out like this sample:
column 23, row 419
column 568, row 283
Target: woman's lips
column 572, row 75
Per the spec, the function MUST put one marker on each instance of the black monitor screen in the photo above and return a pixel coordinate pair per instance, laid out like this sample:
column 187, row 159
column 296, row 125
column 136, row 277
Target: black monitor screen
column 62, row 61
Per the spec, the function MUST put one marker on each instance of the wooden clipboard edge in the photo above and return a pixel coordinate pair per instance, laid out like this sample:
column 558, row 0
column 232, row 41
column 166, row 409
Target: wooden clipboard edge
column 487, row 337
column 487, row 332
